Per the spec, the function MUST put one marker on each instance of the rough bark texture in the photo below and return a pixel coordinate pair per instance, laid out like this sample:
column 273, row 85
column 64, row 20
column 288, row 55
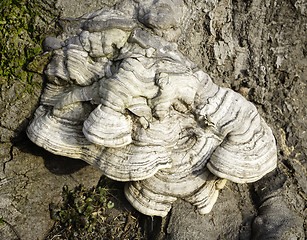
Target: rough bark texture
column 258, row 48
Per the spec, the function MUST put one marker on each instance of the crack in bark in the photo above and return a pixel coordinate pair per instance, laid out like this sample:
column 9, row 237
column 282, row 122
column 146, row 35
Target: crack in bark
column 10, row 159
column 13, row 229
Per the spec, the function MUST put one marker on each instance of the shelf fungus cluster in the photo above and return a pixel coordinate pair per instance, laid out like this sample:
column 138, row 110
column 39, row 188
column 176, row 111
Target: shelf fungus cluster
column 121, row 97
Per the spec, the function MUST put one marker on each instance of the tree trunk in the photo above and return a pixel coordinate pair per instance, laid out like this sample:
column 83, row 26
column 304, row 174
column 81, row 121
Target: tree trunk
column 258, row 48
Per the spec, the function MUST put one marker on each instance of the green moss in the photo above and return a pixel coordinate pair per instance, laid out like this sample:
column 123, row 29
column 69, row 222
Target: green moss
column 20, row 41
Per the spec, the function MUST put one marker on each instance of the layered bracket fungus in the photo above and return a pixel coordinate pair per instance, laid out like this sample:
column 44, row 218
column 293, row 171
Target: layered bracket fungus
column 121, row 97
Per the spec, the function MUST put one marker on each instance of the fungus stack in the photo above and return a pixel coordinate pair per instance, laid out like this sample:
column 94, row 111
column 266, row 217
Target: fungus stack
column 122, row 97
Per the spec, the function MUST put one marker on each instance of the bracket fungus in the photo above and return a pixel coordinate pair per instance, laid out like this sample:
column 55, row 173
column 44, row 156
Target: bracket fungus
column 123, row 98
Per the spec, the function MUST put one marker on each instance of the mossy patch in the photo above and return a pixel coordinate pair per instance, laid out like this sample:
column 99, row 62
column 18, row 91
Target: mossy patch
column 21, row 38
